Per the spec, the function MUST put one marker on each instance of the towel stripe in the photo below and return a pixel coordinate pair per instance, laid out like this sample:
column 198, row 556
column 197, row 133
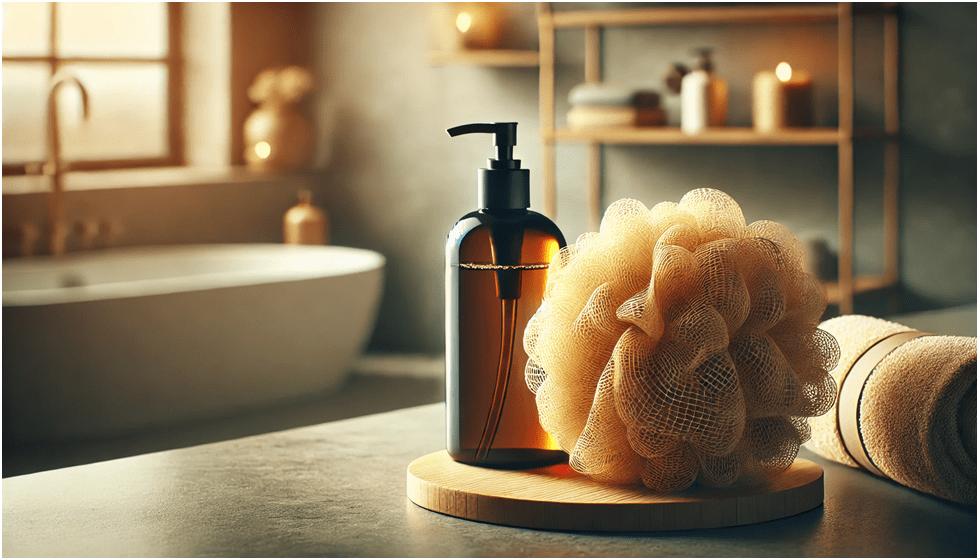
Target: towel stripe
column 851, row 392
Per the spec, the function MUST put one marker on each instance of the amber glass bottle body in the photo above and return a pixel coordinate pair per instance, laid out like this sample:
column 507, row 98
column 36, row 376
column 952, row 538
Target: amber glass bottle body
column 496, row 272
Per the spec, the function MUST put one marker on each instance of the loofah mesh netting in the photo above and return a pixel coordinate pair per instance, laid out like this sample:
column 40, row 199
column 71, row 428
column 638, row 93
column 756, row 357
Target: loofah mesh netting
column 678, row 345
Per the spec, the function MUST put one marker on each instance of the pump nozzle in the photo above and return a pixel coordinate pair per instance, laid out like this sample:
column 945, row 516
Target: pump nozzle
column 704, row 58
column 502, row 185
column 505, row 136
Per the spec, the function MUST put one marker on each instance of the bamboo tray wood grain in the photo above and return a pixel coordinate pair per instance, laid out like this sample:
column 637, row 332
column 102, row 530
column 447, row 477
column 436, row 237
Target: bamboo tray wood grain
column 557, row 498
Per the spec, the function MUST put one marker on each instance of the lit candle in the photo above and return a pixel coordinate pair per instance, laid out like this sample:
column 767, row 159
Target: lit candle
column 479, row 24
column 767, row 102
column 797, row 98
column 782, row 98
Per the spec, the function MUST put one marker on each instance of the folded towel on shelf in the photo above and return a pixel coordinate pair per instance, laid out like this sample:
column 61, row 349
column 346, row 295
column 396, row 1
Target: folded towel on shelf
column 587, row 116
column 906, row 408
column 609, row 105
column 602, row 95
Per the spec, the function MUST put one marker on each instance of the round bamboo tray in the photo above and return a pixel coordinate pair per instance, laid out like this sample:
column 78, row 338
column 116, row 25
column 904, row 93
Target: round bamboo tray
column 558, row 498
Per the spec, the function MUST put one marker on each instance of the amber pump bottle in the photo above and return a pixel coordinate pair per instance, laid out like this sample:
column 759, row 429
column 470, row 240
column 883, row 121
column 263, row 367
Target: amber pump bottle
column 495, row 274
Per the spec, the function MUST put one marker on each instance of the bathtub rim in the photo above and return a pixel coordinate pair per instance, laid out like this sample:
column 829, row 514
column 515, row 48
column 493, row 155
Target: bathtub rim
column 364, row 261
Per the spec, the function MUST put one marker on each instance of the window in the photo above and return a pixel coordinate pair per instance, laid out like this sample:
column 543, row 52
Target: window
column 127, row 56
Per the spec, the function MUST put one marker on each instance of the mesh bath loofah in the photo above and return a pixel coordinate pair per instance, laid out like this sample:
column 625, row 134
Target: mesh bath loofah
column 678, row 345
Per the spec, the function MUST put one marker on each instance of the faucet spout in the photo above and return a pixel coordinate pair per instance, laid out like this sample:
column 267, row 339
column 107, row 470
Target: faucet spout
column 57, row 224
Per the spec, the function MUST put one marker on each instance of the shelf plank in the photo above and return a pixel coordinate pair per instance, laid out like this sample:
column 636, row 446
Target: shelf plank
column 484, row 58
column 861, row 284
column 697, row 15
column 737, row 136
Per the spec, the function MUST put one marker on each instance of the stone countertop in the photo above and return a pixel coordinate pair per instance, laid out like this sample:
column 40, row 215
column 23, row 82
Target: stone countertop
column 338, row 489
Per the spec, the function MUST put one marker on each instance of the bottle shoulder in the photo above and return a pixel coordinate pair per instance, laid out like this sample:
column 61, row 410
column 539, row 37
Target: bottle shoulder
column 480, row 235
column 483, row 220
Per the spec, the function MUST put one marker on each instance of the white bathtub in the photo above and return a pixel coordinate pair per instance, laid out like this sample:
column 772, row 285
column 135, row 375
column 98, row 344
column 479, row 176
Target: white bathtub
column 111, row 342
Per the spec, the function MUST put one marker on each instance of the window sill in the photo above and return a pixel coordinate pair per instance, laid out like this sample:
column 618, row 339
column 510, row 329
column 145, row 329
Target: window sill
column 139, row 178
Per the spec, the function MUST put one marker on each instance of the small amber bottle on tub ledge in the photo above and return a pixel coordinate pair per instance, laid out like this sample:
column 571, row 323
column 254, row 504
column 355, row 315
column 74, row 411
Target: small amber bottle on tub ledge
column 496, row 269
column 305, row 224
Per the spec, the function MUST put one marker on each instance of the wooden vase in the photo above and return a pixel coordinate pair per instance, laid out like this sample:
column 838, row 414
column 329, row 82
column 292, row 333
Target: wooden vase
column 277, row 137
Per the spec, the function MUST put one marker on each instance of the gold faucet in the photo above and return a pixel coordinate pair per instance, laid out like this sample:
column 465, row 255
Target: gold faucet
column 57, row 224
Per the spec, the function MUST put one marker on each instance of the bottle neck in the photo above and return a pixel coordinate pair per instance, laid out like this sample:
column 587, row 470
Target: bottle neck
column 503, row 189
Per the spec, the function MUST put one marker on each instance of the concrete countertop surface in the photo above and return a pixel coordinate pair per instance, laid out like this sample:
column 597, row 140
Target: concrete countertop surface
column 338, row 489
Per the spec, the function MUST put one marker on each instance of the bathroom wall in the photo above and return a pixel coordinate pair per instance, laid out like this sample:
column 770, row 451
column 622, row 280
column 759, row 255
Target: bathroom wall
column 393, row 181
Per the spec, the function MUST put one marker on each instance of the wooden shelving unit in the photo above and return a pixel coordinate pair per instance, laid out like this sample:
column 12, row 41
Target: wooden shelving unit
column 594, row 21
column 484, row 58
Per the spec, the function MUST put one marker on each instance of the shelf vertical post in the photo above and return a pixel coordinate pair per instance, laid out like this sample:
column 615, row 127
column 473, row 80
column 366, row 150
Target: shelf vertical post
column 593, row 54
column 891, row 162
column 593, row 75
column 545, row 31
column 845, row 155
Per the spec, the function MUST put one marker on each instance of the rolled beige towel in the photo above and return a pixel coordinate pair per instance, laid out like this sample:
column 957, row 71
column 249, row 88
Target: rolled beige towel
column 906, row 408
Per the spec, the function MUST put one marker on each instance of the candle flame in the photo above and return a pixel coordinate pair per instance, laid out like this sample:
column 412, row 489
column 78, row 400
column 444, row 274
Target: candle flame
column 783, row 71
column 263, row 150
column 464, row 21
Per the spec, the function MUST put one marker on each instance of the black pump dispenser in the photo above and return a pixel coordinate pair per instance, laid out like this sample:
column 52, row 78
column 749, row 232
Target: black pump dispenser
column 502, row 185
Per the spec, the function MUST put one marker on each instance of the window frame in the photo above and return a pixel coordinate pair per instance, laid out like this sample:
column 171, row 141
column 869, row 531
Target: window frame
column 174, row 63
